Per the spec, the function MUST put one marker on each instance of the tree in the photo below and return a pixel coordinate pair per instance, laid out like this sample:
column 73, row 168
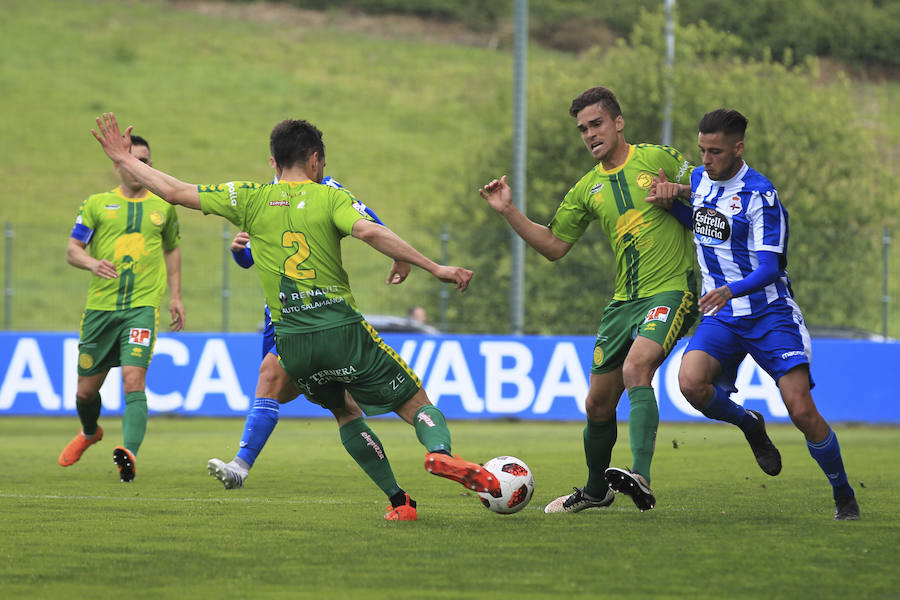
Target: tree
column 803, row 134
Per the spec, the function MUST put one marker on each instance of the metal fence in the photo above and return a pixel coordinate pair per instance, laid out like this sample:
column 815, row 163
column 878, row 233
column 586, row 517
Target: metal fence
column 42, row 292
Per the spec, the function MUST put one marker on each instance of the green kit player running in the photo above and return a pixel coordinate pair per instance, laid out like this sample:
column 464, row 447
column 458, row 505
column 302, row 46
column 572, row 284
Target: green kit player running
column 654, row 303
column 128, row 238
column 296, row 227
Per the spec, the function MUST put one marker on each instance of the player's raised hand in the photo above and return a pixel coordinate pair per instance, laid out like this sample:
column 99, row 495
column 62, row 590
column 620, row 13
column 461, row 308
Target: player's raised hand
column 456, row 275
column 104, row 269
column 498, row 194
column 116, row 144
column 399, row 272
column 662, row 193
column 176, row 309
column 240, row 241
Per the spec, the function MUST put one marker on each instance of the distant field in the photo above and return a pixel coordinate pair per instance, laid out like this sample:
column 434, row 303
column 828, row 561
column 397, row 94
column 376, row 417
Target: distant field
column 401, row 120
column 404, row 112
column 308, row 524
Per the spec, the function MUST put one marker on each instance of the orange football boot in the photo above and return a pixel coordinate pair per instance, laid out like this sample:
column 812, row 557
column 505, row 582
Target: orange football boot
column 471, row 475
column 404, row 512
column 74, row 449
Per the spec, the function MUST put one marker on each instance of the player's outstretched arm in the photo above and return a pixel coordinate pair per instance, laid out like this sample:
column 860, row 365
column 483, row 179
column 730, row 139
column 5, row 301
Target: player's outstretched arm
column 499, row 196
column 118, row 148
column 390, row 244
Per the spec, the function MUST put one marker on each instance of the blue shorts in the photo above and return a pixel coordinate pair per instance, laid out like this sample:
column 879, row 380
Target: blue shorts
column 268, row 343
column 777, row 339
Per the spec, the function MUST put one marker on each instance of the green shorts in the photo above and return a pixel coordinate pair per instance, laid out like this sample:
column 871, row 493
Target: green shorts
column 113, row 338
column 352, row 357
column 663, row 318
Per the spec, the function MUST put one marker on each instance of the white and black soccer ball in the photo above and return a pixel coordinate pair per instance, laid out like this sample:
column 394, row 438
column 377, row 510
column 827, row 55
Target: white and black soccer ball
column 516, row 485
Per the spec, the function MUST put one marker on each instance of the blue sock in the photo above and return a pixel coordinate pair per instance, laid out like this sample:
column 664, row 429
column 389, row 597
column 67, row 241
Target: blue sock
column 828, row 454
column 259, row 426
column 722, row 408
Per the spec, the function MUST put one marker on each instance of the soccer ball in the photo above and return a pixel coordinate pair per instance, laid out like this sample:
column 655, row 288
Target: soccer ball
column 516, row 485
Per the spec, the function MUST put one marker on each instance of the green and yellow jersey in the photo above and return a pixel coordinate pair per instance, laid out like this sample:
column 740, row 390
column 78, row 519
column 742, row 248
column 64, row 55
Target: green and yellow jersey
column 654, row 252
column 296, row 230
column 131, row 233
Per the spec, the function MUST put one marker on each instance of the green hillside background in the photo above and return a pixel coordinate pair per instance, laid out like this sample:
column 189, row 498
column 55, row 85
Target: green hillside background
column 413, row 114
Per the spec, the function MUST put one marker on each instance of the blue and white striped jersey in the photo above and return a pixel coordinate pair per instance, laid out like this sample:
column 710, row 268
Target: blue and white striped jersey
column 732, row 221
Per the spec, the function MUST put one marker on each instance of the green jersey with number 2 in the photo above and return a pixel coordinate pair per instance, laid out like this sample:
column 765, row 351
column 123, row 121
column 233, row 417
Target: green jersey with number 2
column 295, row 231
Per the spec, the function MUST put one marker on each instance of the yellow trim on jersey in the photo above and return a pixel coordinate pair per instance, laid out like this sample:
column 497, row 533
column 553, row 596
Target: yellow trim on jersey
column 603, row 171
column 678, row 322
column 119, row 193
column 391, row 352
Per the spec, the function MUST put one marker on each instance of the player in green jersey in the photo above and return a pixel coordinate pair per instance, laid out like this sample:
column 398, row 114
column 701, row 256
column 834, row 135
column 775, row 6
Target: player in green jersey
column 654, row 302
column 128, row 238
column 295, row 227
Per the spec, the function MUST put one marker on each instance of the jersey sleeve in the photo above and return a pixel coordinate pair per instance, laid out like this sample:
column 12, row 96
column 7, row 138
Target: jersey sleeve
column 768, row 221
column 347, row 210
column 571, row 219
column 85, row 224
column 229, row 200
column 678, row 169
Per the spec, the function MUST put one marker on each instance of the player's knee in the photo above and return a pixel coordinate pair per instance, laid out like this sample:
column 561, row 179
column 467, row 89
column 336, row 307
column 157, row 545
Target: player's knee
column 635, row 373
column 691, row 386
column 599, row 407
column 805, row 415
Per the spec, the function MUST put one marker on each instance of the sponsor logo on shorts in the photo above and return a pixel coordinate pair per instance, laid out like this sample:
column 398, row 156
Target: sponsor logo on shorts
column 139, row 336
column 658, row 313
column 787, row 355
column 598, row 355
column 711, row 227
column 85, row 361
column 397, row 381
column 344, row 375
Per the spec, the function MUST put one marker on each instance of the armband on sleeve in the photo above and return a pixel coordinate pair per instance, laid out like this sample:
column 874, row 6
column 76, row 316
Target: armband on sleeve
column 82, row 233
column 243, row 257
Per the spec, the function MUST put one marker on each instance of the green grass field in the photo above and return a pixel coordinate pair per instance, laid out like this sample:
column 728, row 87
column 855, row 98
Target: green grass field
column 308, row 524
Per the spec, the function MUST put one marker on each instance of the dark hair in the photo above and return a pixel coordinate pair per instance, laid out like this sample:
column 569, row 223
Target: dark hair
column 727, row 120
column 137, row 140
column 596, row 95
column 293, row 141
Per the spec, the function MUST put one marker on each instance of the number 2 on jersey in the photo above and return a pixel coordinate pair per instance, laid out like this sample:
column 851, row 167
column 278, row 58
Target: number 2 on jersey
column 295, row 239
